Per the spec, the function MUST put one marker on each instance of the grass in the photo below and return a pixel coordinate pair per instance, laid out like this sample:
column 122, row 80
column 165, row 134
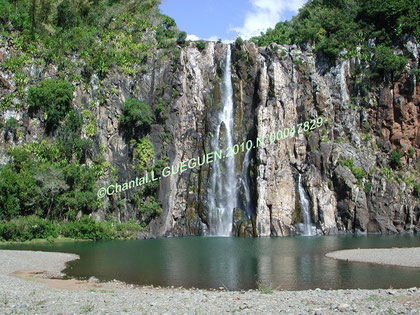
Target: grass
column 87, row 308
column 40, row 303
column 100, row 291
column 264, row 289
column 375, row 298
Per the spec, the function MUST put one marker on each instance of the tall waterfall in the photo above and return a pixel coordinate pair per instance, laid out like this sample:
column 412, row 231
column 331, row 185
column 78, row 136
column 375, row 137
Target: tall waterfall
column 306, row 214
column 222, row 194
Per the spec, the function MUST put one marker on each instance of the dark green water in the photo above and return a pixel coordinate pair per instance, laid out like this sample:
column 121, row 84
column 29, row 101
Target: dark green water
column 291, row 263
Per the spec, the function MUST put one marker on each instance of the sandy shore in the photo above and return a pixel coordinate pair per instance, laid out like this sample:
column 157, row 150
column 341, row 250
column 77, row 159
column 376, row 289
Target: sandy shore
column 406, row 257
column 26, row 287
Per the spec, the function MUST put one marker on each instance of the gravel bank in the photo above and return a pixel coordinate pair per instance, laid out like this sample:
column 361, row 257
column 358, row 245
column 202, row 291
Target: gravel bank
column 23, row 296
column 407, row 257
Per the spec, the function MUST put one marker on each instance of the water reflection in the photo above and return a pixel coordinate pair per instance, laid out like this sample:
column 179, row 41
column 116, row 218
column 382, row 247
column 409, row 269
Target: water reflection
column 292, row 263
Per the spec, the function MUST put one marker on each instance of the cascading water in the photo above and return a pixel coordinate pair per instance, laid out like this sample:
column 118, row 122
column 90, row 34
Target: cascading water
column 246, row 182
column 306, row 214
column 222, row 194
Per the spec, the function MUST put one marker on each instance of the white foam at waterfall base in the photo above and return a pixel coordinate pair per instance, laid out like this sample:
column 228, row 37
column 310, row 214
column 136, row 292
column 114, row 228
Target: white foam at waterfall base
column 222, row 194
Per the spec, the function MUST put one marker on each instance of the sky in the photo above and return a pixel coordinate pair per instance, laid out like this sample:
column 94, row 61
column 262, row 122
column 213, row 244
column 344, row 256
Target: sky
column 226, row 19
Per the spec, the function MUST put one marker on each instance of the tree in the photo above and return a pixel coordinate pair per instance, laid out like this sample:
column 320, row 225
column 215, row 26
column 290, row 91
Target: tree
column 50, row 184
column 239, row 42
column 66, row 15
column 387, row 62
column 54, row 97
column 182, row 36
column 33, row 16
column 201, row 45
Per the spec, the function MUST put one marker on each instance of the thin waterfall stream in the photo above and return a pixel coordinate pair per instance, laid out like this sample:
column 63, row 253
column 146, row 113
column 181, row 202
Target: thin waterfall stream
column 306, row 212
column 246, row 184
column 223, row 190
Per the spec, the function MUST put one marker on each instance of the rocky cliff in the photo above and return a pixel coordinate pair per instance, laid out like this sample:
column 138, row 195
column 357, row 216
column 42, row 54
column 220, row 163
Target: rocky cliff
column 345, row 165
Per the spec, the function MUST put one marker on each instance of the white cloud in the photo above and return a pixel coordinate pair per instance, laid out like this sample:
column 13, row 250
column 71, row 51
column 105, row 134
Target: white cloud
column 213, row 38
column 265, row 14
column 193, row 37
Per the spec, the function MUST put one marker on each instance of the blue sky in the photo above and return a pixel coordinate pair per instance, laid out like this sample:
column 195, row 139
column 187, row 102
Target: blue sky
column 213, row 19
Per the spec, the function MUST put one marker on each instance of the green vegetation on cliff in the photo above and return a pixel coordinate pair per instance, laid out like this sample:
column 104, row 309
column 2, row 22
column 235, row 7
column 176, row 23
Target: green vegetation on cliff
column 48, row 188
column 136, row 117
column 55, row 179
column 332, row 26
column 103, row 33
column 54, row 97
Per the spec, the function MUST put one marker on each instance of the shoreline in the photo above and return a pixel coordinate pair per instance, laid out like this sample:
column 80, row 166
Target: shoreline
column 401, row 257
column 28, row 284
column 44, row 241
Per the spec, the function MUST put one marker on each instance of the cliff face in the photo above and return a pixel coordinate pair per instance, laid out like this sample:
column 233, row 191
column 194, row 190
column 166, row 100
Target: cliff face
column 274, row 88
column 355, row 130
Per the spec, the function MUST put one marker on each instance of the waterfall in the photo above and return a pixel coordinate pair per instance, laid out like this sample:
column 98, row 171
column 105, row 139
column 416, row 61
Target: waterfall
column 222, row 194
column 306, row 213
column 246, row 182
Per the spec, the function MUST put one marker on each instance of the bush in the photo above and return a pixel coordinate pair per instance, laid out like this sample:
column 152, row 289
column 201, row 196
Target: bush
column 182, row 36
column 410, row 153
column 69, row 140
column 137, row 117
column 148, row 209
column 143, row 154
column 349, row 163
column 87, row 228
column 387, row 62
column 27, row 228
column 367, row 188
column 33, row 227
column 166, row 31
column 38, row 180
column 127, row 229
column 161, row 113
column 359, row 174
column 239, row 42
column 395, row 159
column 66, row 15
column 54, row 97
column 17, row 189
column 5, row 12
column 387, row 172
column 333, row 26
column 11, row 126
column 201, row 45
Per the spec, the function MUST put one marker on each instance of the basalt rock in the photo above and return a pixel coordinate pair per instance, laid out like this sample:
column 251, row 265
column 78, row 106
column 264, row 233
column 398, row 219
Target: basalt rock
column 275, row 87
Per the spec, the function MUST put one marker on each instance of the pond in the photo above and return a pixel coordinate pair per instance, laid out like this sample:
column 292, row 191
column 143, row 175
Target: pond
column 288, row 263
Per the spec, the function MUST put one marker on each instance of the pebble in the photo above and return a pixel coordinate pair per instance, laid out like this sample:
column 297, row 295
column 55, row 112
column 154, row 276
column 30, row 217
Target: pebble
column 343, row 307
column 23, row 296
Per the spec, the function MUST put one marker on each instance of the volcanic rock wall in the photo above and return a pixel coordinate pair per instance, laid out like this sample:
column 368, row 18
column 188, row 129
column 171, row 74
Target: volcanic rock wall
column 274, row 87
